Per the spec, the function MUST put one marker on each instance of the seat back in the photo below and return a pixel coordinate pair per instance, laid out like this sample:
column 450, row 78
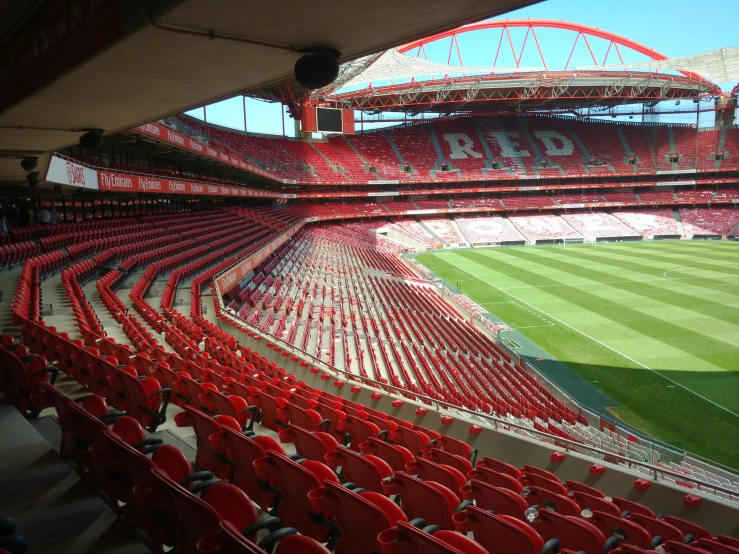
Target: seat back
column 460, row 463
column 501, row 501
column 432, row 502
column 495, row 478
column 310, row 445
column 366, row 471
column 571, row 532
column 498, row 533
column 626, row 531
column 229, row 540
column 359, row 517
column 242, row 452
column 293, row 482
column 186, row 518
column 427, row 470
column 395, row 455
column 406, row 539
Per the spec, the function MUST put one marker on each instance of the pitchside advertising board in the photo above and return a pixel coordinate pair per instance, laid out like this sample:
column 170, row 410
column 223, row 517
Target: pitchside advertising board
column 70, row 173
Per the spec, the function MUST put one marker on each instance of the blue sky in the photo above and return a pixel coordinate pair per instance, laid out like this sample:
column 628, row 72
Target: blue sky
column 674, row 28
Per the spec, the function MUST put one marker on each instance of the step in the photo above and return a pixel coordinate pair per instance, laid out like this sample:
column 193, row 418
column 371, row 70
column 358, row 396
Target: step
column 51, row 505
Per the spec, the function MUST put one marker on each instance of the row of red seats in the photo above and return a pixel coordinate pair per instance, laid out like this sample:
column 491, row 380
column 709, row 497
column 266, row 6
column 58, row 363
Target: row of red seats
column 265, row 395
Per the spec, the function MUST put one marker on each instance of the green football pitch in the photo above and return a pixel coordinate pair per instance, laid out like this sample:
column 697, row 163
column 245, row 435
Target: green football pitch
column 655, row 325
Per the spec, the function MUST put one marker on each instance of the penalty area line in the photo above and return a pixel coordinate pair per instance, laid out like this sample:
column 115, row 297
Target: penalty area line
column 719, row 406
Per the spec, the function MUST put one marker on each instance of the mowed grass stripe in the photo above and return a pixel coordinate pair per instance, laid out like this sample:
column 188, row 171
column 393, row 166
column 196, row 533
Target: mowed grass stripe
column 669, row 255
column 652, row 292
column 657, row 266
column 665, row 262
column 673, row 415
column 691, row 342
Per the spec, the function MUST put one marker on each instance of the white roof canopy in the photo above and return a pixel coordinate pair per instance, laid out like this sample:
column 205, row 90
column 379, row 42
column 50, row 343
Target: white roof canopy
column 719, row 66
column 393, row 65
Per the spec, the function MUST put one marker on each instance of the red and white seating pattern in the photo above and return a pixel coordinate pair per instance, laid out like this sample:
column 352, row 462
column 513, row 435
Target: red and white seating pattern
column 510, row 140
column 444, row 229
column 709, row 221
column 657, row 221
column 543, row 227
column 488, row 229
column 451, row 359
column 598, row 224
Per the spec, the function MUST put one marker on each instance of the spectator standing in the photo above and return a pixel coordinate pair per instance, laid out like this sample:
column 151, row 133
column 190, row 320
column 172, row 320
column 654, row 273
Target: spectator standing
column 54, row 215
column 44, row 216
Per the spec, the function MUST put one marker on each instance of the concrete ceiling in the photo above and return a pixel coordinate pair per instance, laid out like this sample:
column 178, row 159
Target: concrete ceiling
column 141, row 72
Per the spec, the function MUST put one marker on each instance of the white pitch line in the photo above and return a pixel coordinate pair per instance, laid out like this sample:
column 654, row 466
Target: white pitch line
column 532, row 326
column 604, row 344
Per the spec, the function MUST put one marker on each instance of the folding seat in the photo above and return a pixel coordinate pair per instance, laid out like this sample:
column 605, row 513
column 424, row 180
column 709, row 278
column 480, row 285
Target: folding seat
column 268, row 408
column 496, row 478
column 205, row 426
column 537, row 496
column 655, row 527
column 365, row 471
column 240, row 451
column 591, row 502
column 21, row 375
column 98, row 372
column 456, row 461
column 162, row 372
column 146, row 400
column 313, row 445
column 395, row 455
column 572, row 533
column 195, row 393
column 432, row 502
column 179, row 518
column 293, row 481
column 117, row 466
column 501, row 501
column 674, row 547
column 425, row 469
column 359, row 516
column 501, row 467
column 688, row 528
column 229, row 540
column 502, row 534
column 632, row 507
column 577, row 486
column 230, row 405
column 407, row 539
column 624, row 530
column 715, row 546
column 537, row 480
column 357, row 430
column 733, row 542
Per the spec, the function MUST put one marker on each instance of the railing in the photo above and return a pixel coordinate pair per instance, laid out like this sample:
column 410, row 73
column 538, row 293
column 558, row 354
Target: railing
column 497, row 423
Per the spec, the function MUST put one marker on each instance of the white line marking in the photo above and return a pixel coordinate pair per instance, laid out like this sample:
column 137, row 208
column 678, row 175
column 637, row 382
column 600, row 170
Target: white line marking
column 533, row 326
column 603, row 344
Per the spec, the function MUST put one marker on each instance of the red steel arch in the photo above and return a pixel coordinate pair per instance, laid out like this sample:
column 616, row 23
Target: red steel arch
column 531, row 25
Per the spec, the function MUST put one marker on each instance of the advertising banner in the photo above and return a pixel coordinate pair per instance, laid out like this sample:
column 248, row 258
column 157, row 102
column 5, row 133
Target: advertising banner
column 70, row 173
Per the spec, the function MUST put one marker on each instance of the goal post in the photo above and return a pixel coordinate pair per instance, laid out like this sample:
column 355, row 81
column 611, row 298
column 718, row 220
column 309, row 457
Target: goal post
column 578, row 240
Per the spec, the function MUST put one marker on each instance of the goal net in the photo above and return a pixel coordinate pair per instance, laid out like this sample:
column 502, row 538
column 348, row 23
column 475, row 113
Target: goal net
column 579, row 240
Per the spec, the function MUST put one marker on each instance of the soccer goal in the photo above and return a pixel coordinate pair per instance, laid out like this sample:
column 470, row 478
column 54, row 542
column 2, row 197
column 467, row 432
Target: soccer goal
column 580, row 240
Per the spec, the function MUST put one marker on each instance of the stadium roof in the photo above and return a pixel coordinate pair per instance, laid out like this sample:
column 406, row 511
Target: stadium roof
column 398, row 80
column 720, row 66
column 115, row 64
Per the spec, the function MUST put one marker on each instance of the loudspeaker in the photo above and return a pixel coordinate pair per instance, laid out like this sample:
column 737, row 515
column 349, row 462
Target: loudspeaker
column 92, row 140
column 318, row 69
